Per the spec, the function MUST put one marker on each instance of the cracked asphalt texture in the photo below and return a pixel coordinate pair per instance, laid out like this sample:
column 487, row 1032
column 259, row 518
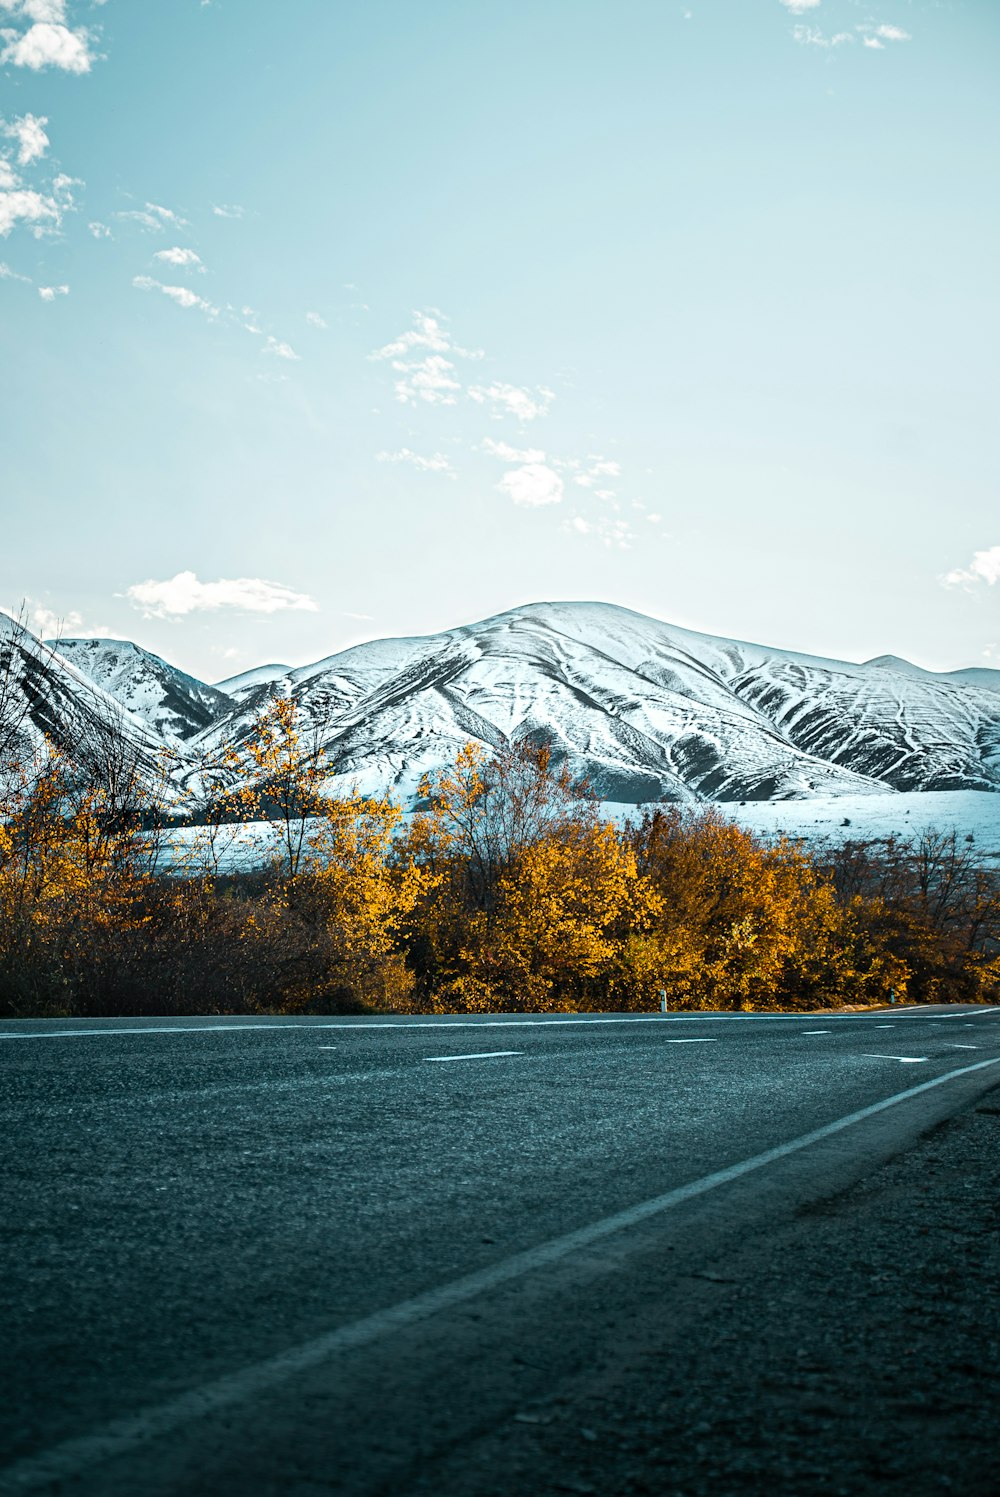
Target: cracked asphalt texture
column 182, row 1205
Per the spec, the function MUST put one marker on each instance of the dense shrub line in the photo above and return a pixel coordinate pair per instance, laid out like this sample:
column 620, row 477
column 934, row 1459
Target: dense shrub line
column 506, row 890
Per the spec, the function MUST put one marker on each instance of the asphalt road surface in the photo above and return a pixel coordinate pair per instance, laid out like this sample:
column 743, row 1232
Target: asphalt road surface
column 308, row 1256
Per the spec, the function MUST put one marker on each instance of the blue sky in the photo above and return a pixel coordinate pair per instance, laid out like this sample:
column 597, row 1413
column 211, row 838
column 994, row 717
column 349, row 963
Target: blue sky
column 334, row 320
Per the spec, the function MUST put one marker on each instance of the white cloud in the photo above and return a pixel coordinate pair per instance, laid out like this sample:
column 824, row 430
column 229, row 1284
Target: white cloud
column 29, row 132
column 185, row 594
column 799, row 7
column 45, row 45
column 509, row 454
column 279, row 350
column 874, row 43
column 179, row 256
column 512, row 400
column 49, row 293
column 984, row 567
column 811, row 36
column 6, row 274
column 154, row 217
column 532, row 485
column 50, row 625
column 38, row 10
column 99, row 230
column 431, row 378
column 182, row 295
column 315, row 320
column 438, row 462
column 597, row 468
column 228, row 210
column 427, row 333
column 614, row 534
column 893, row 33
column 25, row 205
column 428, row 379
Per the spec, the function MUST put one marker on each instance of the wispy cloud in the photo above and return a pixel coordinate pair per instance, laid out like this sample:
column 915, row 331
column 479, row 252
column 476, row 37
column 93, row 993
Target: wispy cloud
column 430, row 378
column 509, row 454
column 228, row 210
column 7, row 274
column 438, row 462
column 512, row 400
column 185, row 258
column 799, row 7
column 99, row 230
column 279, row 350
column 614, row 534
column 182, row 295
column 184, row 594
column 49, row 293
column 29, row 132
column 315, row 320
column 154, row 217
column 984, row 567
column 532, row 485
column 875, row 37
column 811, row 36
column 598, row 468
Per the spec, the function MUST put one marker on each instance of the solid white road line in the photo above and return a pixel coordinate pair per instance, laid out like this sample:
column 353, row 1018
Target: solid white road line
column 952, row 1046
column 482, row 1055
column 73, row 1034
column 702, row 1040
column 907, row 1060
column 579, row 1020
column 68, row 1459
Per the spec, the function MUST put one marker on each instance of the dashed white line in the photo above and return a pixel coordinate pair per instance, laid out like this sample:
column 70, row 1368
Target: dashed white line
column 706, row 1040
column 906, row 1060
column 481, row 1055
column 815, row 1031
column 953, row 1046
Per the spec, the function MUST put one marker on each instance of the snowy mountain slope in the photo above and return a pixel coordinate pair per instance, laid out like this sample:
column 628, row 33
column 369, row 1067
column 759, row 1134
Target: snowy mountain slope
column 644, row 709
column 173, row 704
column 44, row 696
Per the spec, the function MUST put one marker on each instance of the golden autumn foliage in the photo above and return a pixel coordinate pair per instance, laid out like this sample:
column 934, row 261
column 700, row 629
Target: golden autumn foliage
column 505, row 890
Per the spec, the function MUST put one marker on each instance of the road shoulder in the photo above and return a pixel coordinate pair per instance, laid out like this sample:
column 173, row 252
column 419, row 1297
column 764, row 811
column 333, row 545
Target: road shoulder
column 855, row 1349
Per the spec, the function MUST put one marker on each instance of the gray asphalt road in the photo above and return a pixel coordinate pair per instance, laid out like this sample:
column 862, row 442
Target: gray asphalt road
column 304, row 1256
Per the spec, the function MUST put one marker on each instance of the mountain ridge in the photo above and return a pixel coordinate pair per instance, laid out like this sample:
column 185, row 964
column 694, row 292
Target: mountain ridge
column 644, row 709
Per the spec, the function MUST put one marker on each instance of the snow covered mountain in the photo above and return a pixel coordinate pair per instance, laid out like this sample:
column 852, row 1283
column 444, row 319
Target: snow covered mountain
column 645, row 710
column 173, row 704
column 43, row 695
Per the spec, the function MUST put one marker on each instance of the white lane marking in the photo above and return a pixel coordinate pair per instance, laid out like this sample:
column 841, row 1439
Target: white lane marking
column 907, row 1060
column 953, row 1046
column 703, row 1040
column 327, row 1047
column 579, row 1020
column 885, row 1026
column 482, row 1055
column 66, row 1460
column 66, row 1034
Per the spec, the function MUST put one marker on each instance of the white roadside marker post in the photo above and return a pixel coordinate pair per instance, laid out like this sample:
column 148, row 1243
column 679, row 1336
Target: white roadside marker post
column 663, row 1000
